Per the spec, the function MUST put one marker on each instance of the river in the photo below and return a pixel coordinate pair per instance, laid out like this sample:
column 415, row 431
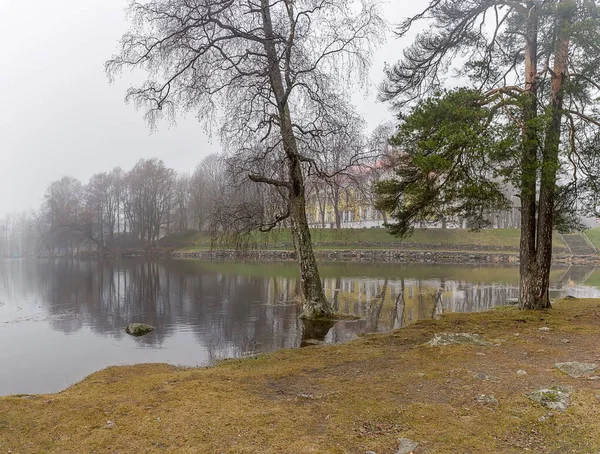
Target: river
column 64, row 319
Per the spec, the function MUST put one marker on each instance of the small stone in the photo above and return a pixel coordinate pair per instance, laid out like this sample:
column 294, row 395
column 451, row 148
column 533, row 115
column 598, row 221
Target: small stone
column 546, row 417
column 483, row 376
column 480, row 354
column 577, row 370
column 553, row 398
column 516, row 334
column 544, row 328
column 109, row 425
column 487, row 400
column 521, row 372
column 406, row 446
column 565, row 341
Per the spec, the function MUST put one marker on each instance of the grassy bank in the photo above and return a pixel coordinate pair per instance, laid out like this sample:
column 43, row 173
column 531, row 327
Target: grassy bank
column 339, row 399
column 594, row 236
column 444, row 239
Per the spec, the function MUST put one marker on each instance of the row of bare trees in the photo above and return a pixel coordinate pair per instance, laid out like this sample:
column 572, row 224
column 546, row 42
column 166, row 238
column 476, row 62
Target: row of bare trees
column 119, row 209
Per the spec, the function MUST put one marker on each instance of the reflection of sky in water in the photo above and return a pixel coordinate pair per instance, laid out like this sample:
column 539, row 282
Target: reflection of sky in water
column 61, row 321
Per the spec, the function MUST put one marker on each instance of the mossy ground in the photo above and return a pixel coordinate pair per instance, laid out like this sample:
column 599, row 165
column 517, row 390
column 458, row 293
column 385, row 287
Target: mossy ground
column 348, row 398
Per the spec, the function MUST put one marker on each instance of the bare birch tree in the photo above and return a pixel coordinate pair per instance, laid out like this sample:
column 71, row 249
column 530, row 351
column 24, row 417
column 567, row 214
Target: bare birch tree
column 273, row 74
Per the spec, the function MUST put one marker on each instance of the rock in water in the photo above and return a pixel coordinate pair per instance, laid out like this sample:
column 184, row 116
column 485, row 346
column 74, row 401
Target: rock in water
column 138, row 329
column 577, row 370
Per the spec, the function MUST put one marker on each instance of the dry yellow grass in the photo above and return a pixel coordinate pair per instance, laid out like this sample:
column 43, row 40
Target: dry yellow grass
column 339, row 399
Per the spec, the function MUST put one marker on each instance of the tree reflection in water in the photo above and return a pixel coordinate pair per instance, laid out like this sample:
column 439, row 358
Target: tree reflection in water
column 235, row 310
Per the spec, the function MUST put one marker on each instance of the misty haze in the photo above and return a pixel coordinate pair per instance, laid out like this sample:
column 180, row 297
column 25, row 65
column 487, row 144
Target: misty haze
column 300, row 226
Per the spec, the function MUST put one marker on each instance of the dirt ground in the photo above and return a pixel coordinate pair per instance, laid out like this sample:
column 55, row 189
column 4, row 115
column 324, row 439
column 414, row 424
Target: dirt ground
column 352, row 398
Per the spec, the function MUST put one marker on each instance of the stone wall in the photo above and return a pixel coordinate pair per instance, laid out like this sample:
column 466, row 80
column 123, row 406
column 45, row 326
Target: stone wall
column 383, row 256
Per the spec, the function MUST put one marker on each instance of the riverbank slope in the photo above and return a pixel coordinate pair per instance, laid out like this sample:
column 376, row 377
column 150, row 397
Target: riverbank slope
column 351, row 398
column 504, row 240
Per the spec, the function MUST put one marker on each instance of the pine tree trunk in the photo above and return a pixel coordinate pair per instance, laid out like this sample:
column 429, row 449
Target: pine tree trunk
column 529, row 285
column 535, row 283
column 550, row 163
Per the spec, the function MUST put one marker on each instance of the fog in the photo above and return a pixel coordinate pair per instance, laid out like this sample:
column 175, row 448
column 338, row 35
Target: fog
column 60, row 116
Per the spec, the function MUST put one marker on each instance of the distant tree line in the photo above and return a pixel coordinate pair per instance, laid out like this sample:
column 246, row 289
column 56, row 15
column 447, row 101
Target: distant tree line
column 18, row 237
column 120, row 209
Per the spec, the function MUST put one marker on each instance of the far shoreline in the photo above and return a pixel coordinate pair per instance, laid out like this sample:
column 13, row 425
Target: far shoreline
column 351, row 255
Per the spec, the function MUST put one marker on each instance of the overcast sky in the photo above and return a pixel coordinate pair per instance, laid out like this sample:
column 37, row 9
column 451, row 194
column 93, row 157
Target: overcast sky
column 60, row 116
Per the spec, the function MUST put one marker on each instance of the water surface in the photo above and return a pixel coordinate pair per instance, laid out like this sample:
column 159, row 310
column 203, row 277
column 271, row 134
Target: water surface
column 62, row 320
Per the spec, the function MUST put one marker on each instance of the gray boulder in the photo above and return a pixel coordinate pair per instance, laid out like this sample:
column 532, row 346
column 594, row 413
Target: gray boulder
column 138, row 329
column 577, row 370
column 554, row 398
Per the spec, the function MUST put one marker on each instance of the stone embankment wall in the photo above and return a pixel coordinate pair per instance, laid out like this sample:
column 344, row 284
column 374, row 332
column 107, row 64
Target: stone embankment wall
column 362, row 245
column 389, row 256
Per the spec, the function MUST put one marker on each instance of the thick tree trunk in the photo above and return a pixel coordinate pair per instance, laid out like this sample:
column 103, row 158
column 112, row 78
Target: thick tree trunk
column 535, row 282
column 550, row 162
column 529, row 287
